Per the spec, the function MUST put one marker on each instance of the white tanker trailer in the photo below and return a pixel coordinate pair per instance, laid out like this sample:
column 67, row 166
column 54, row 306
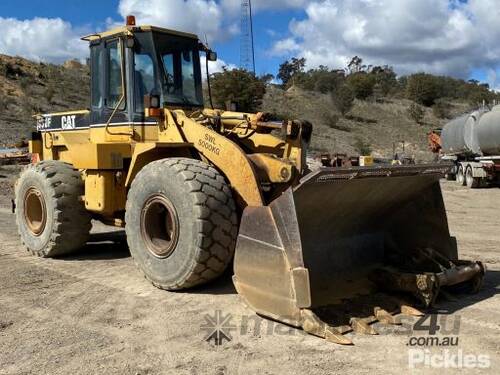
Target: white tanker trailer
column 472, row 142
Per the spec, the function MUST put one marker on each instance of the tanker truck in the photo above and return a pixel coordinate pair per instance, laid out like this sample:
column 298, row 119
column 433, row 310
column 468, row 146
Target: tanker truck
column 472, row 143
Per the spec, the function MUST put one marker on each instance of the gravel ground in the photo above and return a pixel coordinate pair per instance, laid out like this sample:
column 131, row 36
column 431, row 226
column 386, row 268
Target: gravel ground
column 93, row 312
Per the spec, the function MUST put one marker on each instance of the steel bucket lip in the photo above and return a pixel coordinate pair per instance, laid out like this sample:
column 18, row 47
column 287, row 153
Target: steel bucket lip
column 325, row 174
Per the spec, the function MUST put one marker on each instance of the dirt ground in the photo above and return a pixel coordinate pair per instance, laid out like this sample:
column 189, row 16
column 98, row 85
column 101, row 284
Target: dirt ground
column 93, row 312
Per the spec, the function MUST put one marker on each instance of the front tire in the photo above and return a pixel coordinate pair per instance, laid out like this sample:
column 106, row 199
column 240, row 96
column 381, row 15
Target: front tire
column 51, row 218
column 181, row 223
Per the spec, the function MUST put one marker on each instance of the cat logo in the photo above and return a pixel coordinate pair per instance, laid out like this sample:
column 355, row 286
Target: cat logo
column 68, row 122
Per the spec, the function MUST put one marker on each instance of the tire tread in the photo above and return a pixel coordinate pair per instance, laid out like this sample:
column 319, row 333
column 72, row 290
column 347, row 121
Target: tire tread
column 216, row 218
column 71, row 221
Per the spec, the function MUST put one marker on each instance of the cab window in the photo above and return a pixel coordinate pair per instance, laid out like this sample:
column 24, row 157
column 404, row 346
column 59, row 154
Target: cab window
column 115, row 89
column 97, row 65
column 188, row 81
column 144, row 78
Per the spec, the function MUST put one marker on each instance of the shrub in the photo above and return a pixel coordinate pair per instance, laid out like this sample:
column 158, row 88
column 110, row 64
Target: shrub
column 3, row 102
column 416, row 113
column 362, row 84
column 332, row 121
column 50, row 93
column 362, row 147
column 25, row 84
column 343, row 99
column 441, row 109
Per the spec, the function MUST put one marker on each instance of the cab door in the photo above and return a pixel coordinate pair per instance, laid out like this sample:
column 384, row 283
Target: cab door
column 108, row 93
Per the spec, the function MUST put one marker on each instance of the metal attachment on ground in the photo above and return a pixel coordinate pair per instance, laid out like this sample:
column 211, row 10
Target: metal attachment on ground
column 361, row 326
column 315, row 326
column 410, row 311
column 383, row 316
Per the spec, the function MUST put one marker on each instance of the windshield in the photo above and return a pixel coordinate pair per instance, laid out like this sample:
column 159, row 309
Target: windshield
column 168, row 66
column 179, row 84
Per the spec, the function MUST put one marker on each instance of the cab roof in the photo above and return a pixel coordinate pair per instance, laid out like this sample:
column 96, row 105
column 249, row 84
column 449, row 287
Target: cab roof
column 130, row 30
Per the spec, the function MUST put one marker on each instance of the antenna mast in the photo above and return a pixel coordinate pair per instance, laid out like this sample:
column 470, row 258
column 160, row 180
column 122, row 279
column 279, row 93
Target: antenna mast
column 247, row 54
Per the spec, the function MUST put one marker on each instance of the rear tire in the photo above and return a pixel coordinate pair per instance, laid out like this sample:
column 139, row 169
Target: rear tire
column 471, row 181
column 461, row 175
column 181, row 223
column 51, row 218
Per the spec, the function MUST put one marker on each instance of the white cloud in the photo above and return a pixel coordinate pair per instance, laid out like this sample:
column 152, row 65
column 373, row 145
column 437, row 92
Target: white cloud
column 285, row 46
column 438, row 36
column 201, row 17
column 234, row 6
column 214, row 66
column 41, row 39
column 218, row 20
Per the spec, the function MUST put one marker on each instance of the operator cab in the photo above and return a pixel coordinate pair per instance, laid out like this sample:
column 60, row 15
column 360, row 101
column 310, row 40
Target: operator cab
column 131, row 63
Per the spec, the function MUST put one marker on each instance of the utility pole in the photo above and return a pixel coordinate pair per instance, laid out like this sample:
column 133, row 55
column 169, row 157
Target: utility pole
column 247, row 54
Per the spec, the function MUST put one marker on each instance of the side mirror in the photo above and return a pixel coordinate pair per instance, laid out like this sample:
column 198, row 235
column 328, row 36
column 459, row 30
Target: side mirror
column 211, row 56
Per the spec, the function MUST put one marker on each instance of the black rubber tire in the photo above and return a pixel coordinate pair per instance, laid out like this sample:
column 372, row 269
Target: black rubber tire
column 460, row 178
column 207, row 222
column 68, row 223
column 470, row 181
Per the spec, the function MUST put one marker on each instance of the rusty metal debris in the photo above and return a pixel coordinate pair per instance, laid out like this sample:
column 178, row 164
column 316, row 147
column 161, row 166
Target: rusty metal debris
column 15, row 157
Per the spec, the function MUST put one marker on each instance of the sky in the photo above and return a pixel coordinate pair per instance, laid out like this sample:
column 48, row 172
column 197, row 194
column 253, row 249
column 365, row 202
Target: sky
column 451, row 37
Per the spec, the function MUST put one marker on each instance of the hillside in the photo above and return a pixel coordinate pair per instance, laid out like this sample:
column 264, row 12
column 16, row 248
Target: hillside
column 377, row 123
column 27, row 88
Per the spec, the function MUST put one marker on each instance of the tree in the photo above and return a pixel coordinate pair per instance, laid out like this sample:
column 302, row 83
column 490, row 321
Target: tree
column 238, row 86
column 289, row 69
column 423, row 89
column 356, row 65
column 362, row 84
column 267, row 78
column 416, row 113
column 319, row 80
column 343, row 99
column 385, row 79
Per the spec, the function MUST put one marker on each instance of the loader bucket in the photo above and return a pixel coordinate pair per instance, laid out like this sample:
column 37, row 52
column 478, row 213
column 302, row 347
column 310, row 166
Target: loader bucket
column 348, row 235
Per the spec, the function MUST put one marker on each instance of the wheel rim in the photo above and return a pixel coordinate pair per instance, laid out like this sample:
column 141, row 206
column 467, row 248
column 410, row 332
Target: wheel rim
column 35, row 211
column 159, row 226
column 460, row 175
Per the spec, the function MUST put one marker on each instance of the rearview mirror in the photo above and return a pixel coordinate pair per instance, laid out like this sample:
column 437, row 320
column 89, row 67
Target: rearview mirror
column 211, row 56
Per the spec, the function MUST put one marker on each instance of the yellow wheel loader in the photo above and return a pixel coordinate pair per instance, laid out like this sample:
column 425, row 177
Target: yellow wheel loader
column 198, row 189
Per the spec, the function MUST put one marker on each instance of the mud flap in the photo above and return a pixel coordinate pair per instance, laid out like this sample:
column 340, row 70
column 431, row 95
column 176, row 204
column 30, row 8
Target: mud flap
column 345, row 233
